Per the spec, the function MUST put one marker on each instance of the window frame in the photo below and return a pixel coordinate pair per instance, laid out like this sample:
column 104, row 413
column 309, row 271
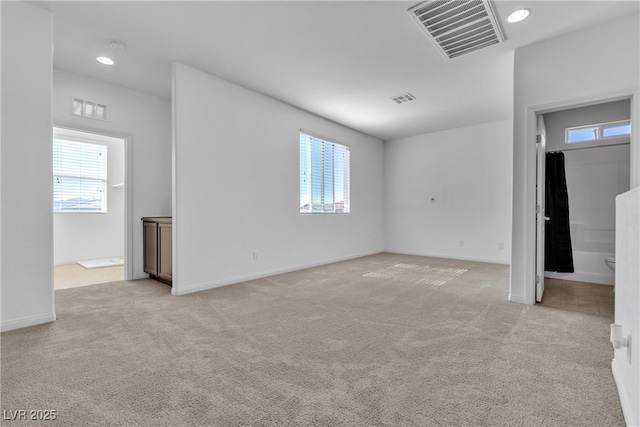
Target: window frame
column 345, row 151
column 599, row 129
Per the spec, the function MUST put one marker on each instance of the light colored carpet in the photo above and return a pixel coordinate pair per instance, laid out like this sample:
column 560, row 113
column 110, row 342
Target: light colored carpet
column 326, row 346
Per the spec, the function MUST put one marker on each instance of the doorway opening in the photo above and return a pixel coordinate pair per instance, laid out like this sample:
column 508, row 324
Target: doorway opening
column 591, row 146
column 89, row 208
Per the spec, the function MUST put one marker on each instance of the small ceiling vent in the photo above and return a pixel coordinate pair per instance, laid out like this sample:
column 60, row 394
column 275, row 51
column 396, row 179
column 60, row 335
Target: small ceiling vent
column 458, row 27
column 405, row 97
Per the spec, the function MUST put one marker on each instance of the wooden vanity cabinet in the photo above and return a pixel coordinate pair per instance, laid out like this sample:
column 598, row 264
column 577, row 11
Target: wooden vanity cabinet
column 157, row 243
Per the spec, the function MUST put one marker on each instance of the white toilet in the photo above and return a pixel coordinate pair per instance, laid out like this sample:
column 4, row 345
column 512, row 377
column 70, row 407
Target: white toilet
column 611, row 262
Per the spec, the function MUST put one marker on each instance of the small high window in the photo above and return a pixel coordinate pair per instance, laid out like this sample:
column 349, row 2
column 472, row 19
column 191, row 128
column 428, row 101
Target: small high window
column 324, row 176
column 89, row 109
column 600, row 132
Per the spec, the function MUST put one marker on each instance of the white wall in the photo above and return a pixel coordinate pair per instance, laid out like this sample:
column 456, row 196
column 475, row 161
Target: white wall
column 145, row 121
column 468, row 172
column 236, row 187
column 27, row 270
column 558, row 73
column 82, row 236
column 626, row 365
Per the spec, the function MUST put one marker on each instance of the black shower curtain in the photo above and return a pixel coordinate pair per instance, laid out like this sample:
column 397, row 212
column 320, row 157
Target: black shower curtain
column 558, row 255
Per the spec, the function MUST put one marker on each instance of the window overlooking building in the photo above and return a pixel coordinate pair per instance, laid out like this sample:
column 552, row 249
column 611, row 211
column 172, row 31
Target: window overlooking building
column 79, row 176
column 600, row 132
column 324, row 176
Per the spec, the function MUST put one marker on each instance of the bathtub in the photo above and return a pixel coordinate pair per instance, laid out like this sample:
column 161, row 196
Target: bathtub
column 589, row 267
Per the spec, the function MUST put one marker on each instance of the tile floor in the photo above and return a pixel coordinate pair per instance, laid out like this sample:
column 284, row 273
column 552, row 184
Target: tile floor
column 579, row 296
column 74, row 275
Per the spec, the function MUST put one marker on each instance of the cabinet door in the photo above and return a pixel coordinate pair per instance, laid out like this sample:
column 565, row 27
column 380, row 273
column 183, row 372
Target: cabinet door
column 150, row 247
column 164, row 251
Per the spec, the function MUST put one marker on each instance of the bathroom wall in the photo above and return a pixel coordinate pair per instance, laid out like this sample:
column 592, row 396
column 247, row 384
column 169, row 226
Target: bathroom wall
column 558, row 121
column 596, row 173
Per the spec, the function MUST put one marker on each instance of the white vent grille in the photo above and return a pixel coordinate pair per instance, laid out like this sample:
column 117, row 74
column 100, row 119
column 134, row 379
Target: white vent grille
column 458, row 27
column 405, row 97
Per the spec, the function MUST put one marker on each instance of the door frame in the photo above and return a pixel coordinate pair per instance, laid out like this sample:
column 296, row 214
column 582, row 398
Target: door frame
column 633, row 95
column 128, row 189
column 541, row 215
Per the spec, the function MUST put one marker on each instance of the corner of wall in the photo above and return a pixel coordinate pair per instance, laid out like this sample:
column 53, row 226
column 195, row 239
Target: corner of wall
column 27, row 67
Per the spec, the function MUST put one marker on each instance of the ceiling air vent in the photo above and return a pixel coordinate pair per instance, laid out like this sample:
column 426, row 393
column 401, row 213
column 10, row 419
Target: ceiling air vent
column 405, row 97
column 458, row 27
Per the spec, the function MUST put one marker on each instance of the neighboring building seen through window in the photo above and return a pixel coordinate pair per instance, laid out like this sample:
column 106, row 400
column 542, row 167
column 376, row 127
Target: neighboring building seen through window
column 324, row 176
column 597, row 132
column 79, row 176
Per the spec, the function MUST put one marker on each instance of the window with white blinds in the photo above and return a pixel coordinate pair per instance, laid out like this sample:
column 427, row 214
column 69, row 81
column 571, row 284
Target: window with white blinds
column 79, row 176
column 324, row 176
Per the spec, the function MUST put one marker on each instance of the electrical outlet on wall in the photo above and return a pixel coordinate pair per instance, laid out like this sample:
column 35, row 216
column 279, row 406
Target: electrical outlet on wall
column 255, row 255
column 461, row 243
column 429, row 199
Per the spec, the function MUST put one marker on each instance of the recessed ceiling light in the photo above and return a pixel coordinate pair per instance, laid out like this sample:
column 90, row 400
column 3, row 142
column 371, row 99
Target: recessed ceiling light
column 518, row 15
column 105, row 60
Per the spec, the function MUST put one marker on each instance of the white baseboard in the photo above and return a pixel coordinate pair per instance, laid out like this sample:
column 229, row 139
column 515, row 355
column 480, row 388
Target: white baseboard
column 434, row 255
column 140, row 276
column 64, row 262
column 517, row 298
column 25, row 322
column 624, row 396
column 177, row 290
